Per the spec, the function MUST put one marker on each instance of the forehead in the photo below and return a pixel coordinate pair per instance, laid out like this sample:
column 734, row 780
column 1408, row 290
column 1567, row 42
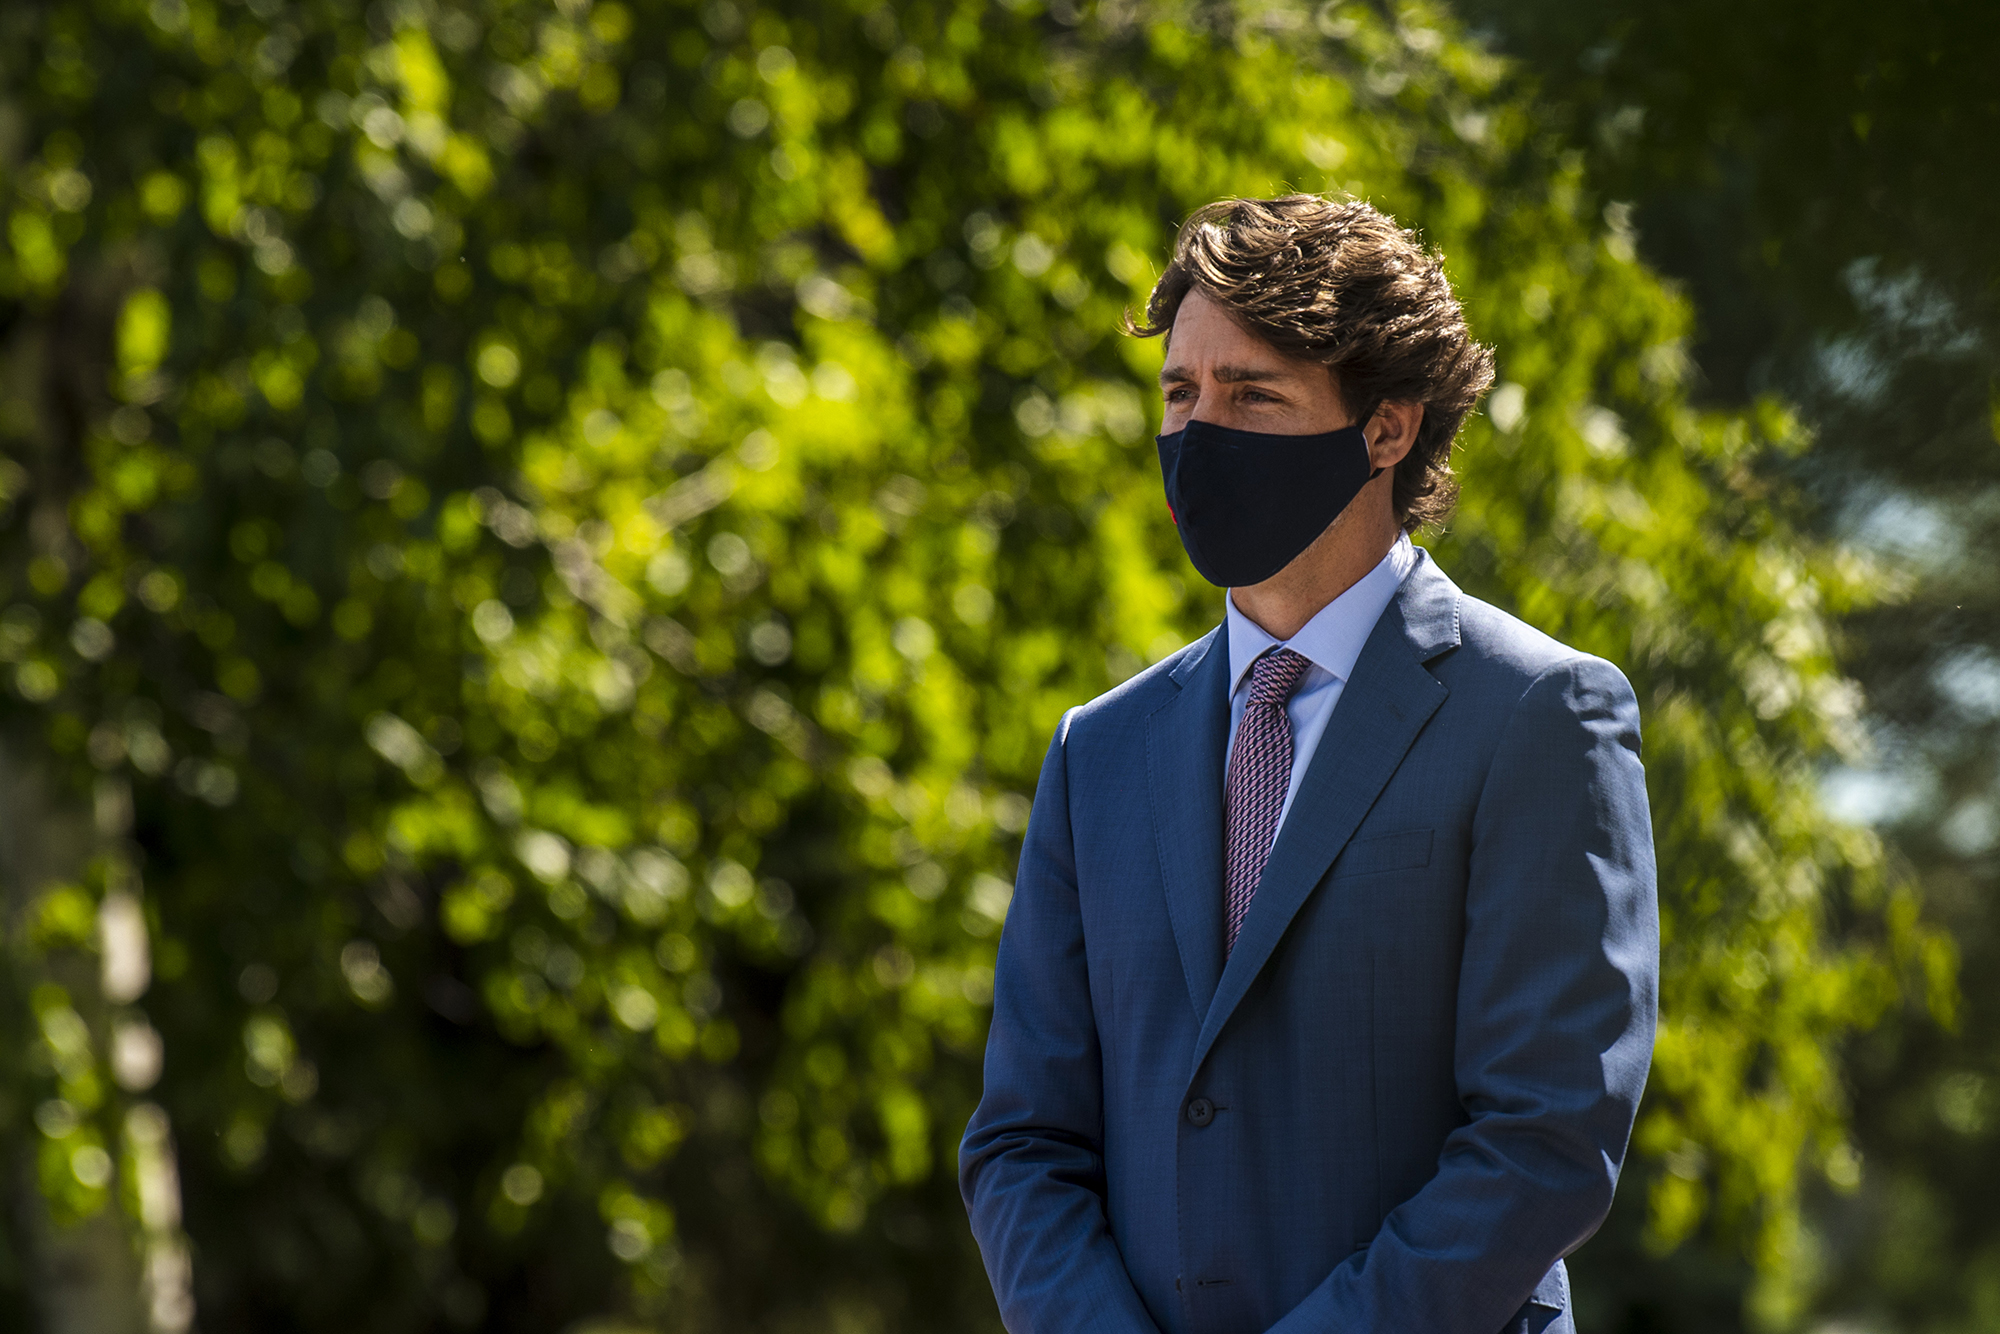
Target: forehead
column 1204, row 335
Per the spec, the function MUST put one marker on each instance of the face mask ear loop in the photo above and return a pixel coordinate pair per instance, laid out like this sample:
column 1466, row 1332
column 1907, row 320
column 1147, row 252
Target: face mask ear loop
column 1367, row 417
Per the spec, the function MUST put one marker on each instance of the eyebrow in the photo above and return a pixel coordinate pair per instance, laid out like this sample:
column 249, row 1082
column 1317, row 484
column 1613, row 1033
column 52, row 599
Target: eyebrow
column 1226, row 374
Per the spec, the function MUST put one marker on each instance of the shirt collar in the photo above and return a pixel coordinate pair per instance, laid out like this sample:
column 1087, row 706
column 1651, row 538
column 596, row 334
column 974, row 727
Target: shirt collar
column 1333, row 638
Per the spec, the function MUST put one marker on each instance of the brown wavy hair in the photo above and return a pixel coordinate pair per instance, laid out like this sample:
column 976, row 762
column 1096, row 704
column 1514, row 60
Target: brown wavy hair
column 1338, row 282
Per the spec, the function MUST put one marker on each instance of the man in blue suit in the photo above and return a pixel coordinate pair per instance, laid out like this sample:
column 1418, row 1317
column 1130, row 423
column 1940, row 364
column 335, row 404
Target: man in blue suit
column 1327, row 992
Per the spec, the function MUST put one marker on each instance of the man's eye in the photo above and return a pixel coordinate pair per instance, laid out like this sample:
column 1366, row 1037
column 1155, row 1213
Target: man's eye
column 1176, row 395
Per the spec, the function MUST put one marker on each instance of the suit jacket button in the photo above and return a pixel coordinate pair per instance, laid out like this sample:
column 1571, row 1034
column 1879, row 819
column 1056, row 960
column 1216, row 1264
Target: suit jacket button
column 1200, row 1112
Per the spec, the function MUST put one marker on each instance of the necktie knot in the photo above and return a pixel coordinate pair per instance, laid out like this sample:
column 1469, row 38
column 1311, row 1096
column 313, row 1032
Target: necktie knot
column 1275, row 676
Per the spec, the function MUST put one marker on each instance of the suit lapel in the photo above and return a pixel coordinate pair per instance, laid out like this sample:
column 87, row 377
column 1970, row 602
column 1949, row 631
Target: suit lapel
column 1184, row 745
column 1381, row 711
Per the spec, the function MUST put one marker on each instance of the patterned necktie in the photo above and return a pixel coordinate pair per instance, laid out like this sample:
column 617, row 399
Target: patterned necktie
column 1260, row 773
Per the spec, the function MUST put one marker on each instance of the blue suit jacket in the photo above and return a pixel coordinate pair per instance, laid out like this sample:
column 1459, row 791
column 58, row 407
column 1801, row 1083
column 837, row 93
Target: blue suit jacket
column 1407, row 1093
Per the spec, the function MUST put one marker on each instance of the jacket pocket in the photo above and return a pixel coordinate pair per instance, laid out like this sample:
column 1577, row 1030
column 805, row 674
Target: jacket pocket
column 1545, row 1306
column 1409, row 850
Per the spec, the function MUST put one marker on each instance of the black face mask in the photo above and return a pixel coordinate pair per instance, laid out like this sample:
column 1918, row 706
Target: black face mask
column 1248, row 503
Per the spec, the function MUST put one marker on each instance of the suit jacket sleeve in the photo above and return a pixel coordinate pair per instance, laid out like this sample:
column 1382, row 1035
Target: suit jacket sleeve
column 1032, row 1164
column 1556, row 1006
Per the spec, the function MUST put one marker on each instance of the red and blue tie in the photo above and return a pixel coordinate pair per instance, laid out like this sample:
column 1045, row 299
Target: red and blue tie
column 1260, row 773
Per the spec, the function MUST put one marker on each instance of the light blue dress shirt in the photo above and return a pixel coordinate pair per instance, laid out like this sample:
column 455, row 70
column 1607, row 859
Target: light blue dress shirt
column 1331, row 641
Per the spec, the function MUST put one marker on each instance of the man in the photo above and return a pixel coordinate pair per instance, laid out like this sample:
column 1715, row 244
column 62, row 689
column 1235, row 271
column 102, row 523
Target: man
column 1327, row 992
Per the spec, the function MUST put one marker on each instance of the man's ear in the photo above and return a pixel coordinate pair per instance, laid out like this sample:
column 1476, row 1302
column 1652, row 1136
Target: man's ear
column 1392, row 432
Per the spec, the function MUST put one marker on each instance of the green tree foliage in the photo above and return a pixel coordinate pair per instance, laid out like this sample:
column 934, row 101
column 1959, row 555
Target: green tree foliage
column 552, row 541
column 1830, row 217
